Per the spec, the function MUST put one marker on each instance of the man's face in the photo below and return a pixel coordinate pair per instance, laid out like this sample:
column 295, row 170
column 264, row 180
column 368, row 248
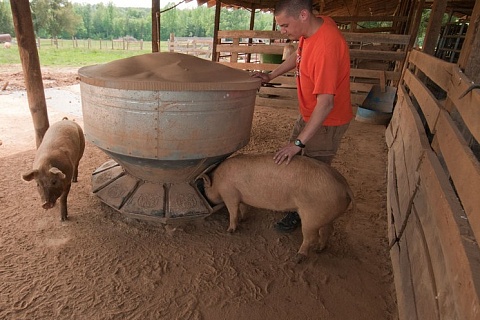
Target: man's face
column 290, row 26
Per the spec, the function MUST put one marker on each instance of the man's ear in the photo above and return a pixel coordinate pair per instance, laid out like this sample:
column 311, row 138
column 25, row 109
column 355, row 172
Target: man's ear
column 304, row 14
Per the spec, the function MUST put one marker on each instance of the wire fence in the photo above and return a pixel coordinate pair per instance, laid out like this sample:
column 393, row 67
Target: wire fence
column 96, row 44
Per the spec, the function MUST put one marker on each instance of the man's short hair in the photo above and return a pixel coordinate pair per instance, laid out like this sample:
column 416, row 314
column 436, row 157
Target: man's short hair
column 293, row 7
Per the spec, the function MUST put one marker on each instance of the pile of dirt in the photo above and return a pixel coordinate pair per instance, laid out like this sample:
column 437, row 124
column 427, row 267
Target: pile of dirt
column 103, row 265
column 11, row 77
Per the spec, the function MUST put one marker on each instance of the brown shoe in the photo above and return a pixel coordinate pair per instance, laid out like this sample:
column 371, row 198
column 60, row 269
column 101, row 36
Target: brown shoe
column 290, row 222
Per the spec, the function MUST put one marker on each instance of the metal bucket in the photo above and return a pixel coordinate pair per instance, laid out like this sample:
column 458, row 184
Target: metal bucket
column 162, row 133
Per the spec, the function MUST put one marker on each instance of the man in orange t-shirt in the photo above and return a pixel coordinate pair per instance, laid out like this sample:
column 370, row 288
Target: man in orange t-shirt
column 322, row 67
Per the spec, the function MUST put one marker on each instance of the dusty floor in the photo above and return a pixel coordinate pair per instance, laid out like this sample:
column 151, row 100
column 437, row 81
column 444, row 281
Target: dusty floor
column 102, row 265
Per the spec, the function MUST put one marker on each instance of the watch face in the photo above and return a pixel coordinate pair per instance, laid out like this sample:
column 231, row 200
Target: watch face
column 299, row 143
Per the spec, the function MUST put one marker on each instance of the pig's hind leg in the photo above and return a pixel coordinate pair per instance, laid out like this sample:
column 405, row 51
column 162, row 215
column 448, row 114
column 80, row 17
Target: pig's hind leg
column 233, row 207
column 324, row 233
column 310, row 235
column 315, row 234
column 75, row 172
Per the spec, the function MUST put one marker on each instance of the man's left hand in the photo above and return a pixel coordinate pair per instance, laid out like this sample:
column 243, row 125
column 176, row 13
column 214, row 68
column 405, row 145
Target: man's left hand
column 286, row 153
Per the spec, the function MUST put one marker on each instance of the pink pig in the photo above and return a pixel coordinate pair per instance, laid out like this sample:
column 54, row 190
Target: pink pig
column 318, row 192
column 56, row 163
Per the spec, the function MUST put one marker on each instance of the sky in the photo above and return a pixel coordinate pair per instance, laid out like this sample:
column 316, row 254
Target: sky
column 137, row 3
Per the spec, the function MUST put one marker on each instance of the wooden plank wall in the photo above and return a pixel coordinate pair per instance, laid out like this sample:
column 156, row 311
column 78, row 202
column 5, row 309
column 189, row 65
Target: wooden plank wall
column 433, row 192
column 376, row 59
column 244, row 51
column 195, row 46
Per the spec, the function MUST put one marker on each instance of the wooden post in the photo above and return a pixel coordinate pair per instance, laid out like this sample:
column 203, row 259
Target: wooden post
column 155, row 25
column 216, row 27
column 434, row 24
column 469, row 59
column 252, row 25
column 415, row 24
column 22, row 20
column 171, row 42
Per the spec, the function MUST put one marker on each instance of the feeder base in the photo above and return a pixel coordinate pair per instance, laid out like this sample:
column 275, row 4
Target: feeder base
column 158, row 201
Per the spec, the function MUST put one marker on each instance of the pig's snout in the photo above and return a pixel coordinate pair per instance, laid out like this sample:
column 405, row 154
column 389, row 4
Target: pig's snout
column 48, row 205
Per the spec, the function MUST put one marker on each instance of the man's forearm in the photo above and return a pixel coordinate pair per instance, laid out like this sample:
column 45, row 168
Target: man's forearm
column 286, row 66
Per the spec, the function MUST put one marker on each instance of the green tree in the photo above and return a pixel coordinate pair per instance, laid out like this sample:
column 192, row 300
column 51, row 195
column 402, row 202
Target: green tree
column 422, row 29
column 54, row 17
column 6, row 23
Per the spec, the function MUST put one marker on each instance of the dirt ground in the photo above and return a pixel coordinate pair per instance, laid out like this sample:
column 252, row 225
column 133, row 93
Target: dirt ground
column 103, row 265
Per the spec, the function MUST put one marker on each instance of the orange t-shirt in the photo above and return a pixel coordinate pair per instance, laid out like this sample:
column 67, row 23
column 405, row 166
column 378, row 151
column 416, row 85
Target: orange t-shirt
column 323, row 67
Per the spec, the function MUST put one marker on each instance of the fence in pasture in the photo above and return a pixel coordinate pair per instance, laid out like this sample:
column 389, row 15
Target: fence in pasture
column 94, row 44
column 195, row 46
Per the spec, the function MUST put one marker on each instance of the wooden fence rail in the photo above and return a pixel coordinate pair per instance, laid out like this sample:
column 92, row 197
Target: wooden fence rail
column 100, row 44
column 432, row 194
column 196, row 46
column 375, row 58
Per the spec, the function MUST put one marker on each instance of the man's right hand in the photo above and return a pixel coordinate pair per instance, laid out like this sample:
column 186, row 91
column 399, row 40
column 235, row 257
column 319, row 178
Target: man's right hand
column 264, row 76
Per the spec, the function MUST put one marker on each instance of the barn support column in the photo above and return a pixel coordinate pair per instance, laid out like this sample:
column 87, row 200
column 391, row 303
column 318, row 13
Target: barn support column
column 469, row 59
column 415, row 22
column 216, row 27
column 22, row 20
column 434, row 25
column 155, row 25
column 252, row 25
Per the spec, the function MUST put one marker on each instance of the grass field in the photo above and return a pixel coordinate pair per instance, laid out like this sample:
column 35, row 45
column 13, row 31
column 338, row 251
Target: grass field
column 81, row 52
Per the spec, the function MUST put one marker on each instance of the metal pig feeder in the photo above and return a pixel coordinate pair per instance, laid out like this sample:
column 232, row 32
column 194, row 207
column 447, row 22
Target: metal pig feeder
column 163, row 118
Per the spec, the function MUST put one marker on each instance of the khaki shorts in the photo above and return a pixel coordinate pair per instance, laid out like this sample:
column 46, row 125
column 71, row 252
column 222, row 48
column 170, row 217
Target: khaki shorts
column 324, row 144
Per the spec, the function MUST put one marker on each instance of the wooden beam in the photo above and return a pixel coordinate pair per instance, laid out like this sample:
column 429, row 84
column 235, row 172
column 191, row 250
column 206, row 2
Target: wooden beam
column 425, row 99
column 251, row 27
column 216, row 27
column 155, row 25
column 463, row 167
column 461, row 254
column 437, row 70
column 415, row 23
column 377, row 38
column 368, row 18
column 434, row 25
column 466, row 101
column 469, row 59
column 22, row 20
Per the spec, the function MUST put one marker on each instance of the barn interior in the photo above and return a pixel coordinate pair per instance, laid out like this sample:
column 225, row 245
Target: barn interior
column 432, row 128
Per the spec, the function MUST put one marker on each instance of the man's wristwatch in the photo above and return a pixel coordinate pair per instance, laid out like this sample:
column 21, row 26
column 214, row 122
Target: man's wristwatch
column 299, row 143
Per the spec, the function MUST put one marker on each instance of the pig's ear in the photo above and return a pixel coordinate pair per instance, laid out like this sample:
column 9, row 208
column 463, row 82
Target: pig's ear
column 206, row 180
column 30, row 175
column 57, row 172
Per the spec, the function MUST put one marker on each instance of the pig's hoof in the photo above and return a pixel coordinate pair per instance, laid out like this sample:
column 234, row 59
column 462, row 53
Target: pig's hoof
column 299, row 258
column 231, row 230
column 63, row 218
column 320, row 249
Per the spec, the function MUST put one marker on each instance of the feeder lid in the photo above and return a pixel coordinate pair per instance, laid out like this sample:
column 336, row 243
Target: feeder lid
column 167, row 71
